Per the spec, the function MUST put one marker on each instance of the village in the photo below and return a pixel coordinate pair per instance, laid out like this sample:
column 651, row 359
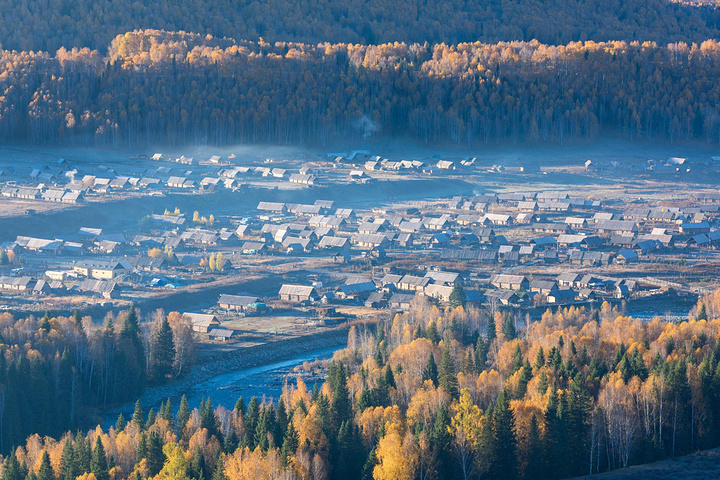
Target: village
column 262, row 266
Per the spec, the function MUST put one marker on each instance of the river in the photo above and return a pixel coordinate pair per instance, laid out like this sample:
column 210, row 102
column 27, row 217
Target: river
column 264, row 380
column 256, row 379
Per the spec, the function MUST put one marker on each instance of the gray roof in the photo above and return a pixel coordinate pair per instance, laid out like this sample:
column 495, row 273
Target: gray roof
column 237, row 300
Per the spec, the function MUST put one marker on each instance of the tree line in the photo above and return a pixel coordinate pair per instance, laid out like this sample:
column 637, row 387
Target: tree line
column 174, row 88
column 55, row 372
column 433, row 394
column 47, row 25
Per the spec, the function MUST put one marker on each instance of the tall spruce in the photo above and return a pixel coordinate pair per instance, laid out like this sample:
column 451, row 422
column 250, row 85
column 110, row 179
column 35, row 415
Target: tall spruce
column 430, row 372
column 162, row 351
column 447, row 378
column 98, row 462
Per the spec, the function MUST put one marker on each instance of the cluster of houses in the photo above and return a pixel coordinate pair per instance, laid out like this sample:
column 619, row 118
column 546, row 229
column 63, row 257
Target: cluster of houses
column 492, row 235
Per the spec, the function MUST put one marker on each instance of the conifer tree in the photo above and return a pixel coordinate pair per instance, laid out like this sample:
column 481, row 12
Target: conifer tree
column 68, row 471
column 503, row 431
column 447, row 378
column 120, row 423
column 11, row 469
column 162, row 351
column 289, row 444
column 183, row 416
column 150, row 418
column 82, row 453
column 141, row 450
column 45, row 472
column 430, row 372
column 98, row 462
column 155, row 456
column 138, row 417
column 219, row 473
column 457, row 296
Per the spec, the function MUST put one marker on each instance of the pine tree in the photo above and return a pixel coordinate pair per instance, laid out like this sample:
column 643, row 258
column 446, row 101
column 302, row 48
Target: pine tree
column 141, row 450
column 45, row 472
column 155, row 456
column 503, row 431
column 281, row 421
column 208, row 419
column 553, row 437
column 11, row 469
column 166, row 412
column 45, row 322
column 491, row 330
column 702, row 313
column 517, row 361
column 239, row 408
column 341, row 407
column 430, row 372
column 251, row 419
column 367, row 470
column 508, row 329
column 576, row 419
column 68, row 470
column 533, row 458
column 219, row 473
column 162, row 351
column 447, row 378
column 78, row 319
column 457, row 296
column 197, row 467
column 82, row 454
column 525, row 377
column 539, row 358
column 431, row 333
column 183, row 416
column 289, row 444
column 481, row 351
column 98, row 462
column 120, row 423
column 440, row 439
column 150, row 418
column 138, row 417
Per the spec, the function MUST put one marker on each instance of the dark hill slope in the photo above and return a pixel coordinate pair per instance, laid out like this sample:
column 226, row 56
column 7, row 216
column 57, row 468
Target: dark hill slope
column 50, row 24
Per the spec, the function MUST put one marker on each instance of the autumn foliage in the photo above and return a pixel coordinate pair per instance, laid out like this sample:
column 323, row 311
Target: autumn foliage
column 435, row 394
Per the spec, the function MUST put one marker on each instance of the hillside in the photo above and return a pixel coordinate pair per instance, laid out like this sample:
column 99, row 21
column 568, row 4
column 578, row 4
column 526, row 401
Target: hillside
column 179, row 88
column 705, row 464
column 433, row 394
column 47, row 25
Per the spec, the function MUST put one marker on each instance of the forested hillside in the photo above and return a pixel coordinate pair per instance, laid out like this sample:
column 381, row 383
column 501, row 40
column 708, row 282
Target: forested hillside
column 437, row 395
column 56, row 371
column 176, row 88
column 47, row 25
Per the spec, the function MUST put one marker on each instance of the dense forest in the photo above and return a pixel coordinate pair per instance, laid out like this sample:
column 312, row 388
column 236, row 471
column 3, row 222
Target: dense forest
column 55, row 372
column 459, row 393
column 177, row 88
column 47, row 25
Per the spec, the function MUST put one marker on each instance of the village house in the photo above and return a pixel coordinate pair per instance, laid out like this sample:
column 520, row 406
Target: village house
column 202, row 322
column 444, row 278
column 509, row 282
column 299, row 178
column 401, row 301
column 18, row 284
column 297, row 293
column 238, row 303
column 413, row 283
column 221, row 334
column 102, row 269
column 370, row 240
column 355, row 291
